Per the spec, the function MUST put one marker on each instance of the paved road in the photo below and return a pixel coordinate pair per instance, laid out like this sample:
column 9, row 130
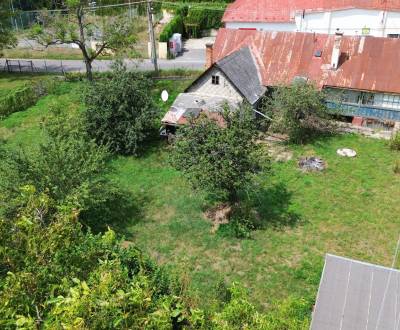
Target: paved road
column 100, row 65
column 193, row 57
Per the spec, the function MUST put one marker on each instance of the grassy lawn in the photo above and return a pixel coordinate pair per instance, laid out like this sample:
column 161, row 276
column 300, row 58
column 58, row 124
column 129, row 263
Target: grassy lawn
column 351, row 209
column 10, row 81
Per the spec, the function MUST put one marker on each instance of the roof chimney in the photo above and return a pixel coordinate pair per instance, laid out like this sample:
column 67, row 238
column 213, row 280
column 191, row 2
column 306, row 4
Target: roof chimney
column 209, row 55
column 336, row 50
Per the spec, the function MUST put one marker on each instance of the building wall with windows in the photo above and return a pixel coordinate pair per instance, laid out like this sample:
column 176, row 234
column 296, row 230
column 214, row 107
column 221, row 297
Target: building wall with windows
column 365, row 104
column 375, row 23
column 215, row 83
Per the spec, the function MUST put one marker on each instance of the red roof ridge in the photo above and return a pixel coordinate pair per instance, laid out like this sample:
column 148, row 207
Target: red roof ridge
column 283, row 10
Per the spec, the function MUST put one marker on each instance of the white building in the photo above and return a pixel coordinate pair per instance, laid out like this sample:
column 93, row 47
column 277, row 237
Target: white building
column 379, row 18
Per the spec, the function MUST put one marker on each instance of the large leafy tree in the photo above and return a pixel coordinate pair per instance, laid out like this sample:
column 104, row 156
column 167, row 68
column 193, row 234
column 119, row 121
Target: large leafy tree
column 7, row 37
column 75, row 26
column 298, row 110
column 120, row 111
column 219, row 160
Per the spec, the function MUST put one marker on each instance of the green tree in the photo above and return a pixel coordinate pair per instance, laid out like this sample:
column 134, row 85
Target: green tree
column 74, row 26
column 298, row 110
column 66, row 164
column 55, row 275
column 219, row 160
column 120, row 111
column 7, row 37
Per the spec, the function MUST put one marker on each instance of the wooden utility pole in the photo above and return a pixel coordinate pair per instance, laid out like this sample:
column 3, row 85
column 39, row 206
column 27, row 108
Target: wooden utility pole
column 152, row 36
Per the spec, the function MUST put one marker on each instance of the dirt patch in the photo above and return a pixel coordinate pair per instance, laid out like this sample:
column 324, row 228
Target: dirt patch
column 218, row 215
column 277, row 149
column 127, row 244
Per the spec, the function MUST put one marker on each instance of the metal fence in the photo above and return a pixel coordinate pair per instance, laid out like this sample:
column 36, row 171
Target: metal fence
column 29, row 66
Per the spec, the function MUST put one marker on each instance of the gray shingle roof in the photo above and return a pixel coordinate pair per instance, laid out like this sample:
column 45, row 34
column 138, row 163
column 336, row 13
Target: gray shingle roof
column 242, row 71
column 357, row 295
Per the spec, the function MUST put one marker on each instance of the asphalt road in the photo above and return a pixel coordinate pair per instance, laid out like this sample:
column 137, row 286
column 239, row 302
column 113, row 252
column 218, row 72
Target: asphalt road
column 193, row 60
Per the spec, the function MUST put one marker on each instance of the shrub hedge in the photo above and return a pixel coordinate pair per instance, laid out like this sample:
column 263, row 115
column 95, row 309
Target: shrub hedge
column 25, row 96
column 191, row 20
column 175, row 26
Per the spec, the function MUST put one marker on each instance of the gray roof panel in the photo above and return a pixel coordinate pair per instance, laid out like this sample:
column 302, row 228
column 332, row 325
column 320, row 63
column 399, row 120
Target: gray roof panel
column 242, row 71
column 356, row 295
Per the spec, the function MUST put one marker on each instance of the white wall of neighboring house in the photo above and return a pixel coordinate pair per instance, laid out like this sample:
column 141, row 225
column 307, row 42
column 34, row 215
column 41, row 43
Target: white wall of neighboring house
column 350, row 21
column 224, row 89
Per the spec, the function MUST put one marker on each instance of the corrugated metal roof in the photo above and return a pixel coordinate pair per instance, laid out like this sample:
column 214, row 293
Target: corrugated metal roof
column 242, row 71
column 356, row 295
column 192, row 104
column 368, row 63
column 284, row 10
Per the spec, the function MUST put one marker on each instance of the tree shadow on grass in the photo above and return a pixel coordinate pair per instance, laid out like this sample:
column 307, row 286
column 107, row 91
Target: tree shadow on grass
column 273, row 208
column 119, row 211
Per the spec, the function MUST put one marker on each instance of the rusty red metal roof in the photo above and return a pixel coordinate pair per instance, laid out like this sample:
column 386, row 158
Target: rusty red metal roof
column 367, row 63
column 284, row 10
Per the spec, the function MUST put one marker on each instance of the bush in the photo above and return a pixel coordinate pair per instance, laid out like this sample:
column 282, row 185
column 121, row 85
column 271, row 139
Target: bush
column 298, row 110
column 174, row 26
column 65, row 166
column 395, row 142
column 199, row 19
column 55, row 275
column 120, row 112
column 25, row 96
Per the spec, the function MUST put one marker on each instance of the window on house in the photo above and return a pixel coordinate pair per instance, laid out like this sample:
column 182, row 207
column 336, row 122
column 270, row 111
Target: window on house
column 389, row 101
column 367, row 98
column 215, row 80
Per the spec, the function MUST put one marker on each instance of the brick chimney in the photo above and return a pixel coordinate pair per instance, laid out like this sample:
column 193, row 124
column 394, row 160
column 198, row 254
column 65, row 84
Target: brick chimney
column 336, row 50
column 209, row 55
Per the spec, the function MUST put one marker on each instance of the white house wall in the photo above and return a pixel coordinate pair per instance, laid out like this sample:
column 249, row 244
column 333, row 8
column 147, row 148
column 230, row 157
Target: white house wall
column 224, row 89
column 350, row 21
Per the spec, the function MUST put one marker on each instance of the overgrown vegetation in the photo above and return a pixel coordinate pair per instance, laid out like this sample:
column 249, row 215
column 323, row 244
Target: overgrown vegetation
column 7, row 37
column 298, row 110
column 53, row 273
column 65, row 167
column 192, row 20
column 23, row 97
column 120, row 112
column 395, row 142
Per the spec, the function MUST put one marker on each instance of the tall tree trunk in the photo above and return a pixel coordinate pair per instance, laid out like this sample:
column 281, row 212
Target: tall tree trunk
column 82, row 43
column 89, row 73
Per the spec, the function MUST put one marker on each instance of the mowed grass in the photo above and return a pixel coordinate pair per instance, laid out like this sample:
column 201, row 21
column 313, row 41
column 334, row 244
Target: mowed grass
column 351, row 209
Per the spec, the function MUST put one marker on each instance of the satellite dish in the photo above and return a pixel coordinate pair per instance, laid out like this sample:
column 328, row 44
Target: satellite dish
column 164, row 95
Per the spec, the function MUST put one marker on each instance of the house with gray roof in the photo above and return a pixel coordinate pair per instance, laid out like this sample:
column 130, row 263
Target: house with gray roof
column 355, row 295
column 231, row 80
